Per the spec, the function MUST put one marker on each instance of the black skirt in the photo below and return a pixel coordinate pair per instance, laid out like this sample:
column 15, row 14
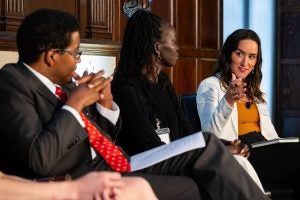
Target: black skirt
column 252, row 137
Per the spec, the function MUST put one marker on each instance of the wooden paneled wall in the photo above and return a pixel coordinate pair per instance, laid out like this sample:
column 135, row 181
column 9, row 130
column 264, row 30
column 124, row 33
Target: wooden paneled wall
column 288, row 68
column 197, row 22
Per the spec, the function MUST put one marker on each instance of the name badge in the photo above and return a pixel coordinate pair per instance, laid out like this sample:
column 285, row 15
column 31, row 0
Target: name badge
column 163, row 134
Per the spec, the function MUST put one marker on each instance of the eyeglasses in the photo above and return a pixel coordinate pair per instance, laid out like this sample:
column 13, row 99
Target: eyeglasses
column 76, row 53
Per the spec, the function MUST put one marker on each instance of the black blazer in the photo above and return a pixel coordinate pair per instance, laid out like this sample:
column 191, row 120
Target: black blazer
column 37, row 137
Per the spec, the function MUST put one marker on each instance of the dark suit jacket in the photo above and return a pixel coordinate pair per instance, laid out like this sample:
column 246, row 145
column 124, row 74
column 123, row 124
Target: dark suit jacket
column 37, row 137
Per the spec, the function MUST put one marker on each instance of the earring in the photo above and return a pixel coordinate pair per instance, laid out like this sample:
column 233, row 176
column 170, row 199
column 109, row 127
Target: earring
column 156, row 64
column 252, row 72
column 158, row 58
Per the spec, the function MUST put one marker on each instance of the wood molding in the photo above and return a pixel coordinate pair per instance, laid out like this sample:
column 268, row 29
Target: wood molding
column 100, row 22
column 14, row 14
column 100, row 49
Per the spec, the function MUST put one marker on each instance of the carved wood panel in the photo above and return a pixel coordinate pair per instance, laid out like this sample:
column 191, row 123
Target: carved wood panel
column 100, row 19
column 197, row 23
column 15, row 10
column 14, row 13
column 198, row 33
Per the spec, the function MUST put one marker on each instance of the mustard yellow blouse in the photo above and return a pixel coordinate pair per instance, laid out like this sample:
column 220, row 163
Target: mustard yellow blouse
column 248, row 119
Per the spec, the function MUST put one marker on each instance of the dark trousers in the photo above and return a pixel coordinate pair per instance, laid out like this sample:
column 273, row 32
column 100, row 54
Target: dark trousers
column 275, row 163
column 213, row 170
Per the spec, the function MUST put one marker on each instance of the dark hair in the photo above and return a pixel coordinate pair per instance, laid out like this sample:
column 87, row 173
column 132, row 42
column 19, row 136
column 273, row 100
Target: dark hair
column 223, row 71
column 42, row 30
column 142, row 31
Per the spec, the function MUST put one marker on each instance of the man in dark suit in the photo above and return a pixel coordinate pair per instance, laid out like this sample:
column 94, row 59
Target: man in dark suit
column 41, row 135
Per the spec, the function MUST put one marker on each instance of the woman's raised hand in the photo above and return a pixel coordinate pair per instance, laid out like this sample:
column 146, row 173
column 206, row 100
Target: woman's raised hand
column 236, row 90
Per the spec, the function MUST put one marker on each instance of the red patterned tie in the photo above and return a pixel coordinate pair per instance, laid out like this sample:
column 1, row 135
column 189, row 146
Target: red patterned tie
column 110, row 152
column 61, row 94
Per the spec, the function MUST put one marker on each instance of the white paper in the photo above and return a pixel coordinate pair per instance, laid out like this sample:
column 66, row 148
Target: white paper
column 164, row 137
column 93, row 63
column 158, row 154
column 163, row 134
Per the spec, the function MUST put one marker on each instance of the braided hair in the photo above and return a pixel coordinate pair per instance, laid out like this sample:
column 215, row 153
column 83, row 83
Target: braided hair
column 143, row 30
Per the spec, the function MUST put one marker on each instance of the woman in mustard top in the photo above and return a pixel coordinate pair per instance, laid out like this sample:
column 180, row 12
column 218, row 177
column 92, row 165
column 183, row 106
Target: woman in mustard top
column 232, row 105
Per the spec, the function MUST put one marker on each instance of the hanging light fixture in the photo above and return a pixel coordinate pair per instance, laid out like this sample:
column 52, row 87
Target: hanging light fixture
column 131, row 6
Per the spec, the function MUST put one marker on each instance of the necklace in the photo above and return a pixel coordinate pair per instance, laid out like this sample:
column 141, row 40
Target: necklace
column 247, row 103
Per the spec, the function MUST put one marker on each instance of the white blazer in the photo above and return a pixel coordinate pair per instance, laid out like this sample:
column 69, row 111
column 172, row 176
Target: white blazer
column 220, row 118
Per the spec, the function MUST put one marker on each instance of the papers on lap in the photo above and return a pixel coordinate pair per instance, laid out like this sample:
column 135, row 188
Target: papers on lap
column 275, row 141
column 158, row 154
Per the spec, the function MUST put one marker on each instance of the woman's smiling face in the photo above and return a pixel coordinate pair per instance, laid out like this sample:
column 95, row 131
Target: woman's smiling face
column 244, row 58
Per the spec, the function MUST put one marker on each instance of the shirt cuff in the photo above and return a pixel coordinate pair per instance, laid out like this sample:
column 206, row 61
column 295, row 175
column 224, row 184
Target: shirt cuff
column 74, row 113
column 111, row 115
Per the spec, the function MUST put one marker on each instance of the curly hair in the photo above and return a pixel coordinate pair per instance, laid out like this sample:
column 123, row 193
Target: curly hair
column 43, row 30
column 223, row 70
